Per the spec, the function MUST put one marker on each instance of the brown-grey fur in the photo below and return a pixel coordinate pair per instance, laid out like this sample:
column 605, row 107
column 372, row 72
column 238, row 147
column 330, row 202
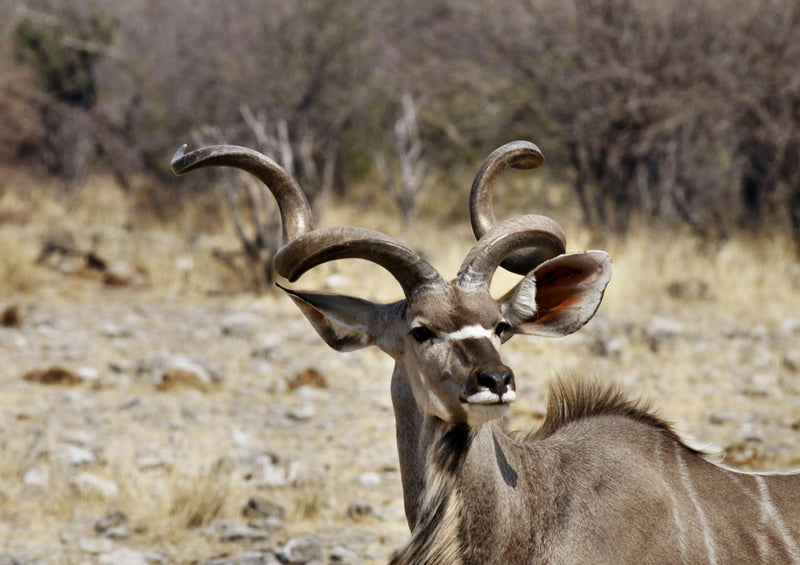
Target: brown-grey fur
column 598, row 483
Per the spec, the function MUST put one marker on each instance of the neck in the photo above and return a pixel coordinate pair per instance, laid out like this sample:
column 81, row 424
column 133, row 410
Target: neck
column 442, row 465
column 436, row 507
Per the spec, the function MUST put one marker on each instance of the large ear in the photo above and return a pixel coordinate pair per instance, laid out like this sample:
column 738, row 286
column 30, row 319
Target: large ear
column 345, row 323
column 559, row 296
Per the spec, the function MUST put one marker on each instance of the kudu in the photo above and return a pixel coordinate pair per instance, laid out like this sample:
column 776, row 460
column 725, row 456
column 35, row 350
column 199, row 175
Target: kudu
column 602, row 481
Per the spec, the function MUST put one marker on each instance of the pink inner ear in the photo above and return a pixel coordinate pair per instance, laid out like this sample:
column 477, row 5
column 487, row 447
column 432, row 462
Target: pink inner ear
column 568, row 291
column 553, row 302
column 557, row 286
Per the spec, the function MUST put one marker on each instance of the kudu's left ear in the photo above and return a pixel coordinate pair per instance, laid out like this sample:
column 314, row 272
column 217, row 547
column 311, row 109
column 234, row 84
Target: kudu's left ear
column 345, row 323
column 559, row 296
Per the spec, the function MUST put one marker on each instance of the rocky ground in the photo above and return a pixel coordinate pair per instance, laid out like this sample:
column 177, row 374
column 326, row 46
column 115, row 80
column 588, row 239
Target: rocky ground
column 150, row 426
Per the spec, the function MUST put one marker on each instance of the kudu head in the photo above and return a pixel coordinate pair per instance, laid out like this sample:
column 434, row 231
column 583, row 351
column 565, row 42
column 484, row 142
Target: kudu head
column 444, row 336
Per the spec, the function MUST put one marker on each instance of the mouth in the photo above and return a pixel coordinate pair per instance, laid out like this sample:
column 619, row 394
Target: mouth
column 485, row 397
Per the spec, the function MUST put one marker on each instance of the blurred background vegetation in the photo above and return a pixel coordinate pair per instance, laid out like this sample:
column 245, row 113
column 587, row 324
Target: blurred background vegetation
column 650, row 113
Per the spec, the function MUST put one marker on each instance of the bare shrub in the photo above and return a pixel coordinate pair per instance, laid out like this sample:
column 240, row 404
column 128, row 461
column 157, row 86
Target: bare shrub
column 668, row 112
column 662, row 113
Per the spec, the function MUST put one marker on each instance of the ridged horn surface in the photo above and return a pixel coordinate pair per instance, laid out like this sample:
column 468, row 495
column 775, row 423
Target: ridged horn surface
column 517, row 155
column 296, row 218
column 538, row 232
column 346, row 242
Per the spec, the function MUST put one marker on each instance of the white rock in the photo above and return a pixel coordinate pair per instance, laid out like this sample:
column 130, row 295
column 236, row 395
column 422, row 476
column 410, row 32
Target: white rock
column 792, row 360
column 305, row 412
column 790, row 325
column 150, row 462
column 241, row 438
column 344, row 556
column 36, row 477
column 123, row 556
column 88, row 373
column 662, row 327
column 95, row 545
column 115, row 331
column 184, row 364
column 369, row 480
column 184, row 263
column 301, row 550
column 264, row 471
column 75, row 456
column 240, row 325
column 89, row 484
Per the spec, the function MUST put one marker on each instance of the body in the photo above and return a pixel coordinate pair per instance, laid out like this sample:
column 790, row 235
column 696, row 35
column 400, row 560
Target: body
column 614, row 486
column 603, row 481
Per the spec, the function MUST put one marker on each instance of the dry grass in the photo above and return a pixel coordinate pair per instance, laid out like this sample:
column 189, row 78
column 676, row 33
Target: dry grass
column 737, row 285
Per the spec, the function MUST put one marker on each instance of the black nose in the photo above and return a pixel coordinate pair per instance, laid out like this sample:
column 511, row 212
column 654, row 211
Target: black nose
column 496, row 381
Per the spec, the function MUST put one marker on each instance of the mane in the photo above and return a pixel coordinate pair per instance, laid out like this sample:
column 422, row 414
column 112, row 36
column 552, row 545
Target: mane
column 579, row 398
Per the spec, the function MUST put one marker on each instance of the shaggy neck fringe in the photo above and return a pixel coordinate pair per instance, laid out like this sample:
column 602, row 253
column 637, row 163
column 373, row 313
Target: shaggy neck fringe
column 577, row 398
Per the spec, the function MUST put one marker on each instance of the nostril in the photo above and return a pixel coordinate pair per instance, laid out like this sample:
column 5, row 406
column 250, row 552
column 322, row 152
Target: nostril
column 495, row 381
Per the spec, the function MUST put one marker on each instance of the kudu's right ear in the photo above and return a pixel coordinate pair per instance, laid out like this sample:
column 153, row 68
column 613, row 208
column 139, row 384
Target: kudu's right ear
column 345, row 323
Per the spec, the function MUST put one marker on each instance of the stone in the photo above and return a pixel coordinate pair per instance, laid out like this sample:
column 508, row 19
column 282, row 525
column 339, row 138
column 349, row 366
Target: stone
column 91, row 485
column 124, row 556
column 300, row 551
column 265, row 470
column 95, row 545
column 359, row 509
column 114, row 518
column 89, row 374
column 247, row 558
column 303, row 413
column 661, row 328
column 790, row 325
column 240, row 325
column 38, row 476
column 258, row 507
column 343, row 556
column 791, row 360
column 75, row 455
column 243, row 533
column 369, row 480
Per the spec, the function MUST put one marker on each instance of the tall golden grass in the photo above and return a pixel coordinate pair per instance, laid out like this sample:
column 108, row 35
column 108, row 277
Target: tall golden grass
column 744, row 271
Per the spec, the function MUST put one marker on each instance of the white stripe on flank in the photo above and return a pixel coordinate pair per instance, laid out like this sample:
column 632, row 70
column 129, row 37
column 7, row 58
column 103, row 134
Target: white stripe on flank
column 676, row 508
column 768, row 509
column 763, row 536
column 475, row 331
column 708, row 536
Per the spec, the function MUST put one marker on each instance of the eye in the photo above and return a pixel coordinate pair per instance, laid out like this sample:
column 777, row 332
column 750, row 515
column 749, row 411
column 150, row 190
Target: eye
column 501, row 328
column 422, row 334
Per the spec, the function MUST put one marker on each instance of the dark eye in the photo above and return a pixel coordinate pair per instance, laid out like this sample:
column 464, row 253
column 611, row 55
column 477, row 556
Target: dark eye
column 501, row 328
column 422, row 334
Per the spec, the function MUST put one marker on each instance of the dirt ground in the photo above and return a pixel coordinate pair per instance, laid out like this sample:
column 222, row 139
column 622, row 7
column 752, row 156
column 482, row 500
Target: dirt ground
column 164, row 421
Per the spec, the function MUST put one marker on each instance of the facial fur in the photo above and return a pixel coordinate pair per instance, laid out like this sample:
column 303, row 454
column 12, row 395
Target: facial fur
column 448, row 354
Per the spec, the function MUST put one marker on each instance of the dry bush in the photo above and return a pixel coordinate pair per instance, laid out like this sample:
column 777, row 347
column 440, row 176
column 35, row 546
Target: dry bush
column 658, row 112
column 652, row 109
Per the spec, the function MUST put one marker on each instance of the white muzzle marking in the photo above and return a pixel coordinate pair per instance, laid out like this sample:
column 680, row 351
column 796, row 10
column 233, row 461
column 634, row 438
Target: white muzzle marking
column 487, row 397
